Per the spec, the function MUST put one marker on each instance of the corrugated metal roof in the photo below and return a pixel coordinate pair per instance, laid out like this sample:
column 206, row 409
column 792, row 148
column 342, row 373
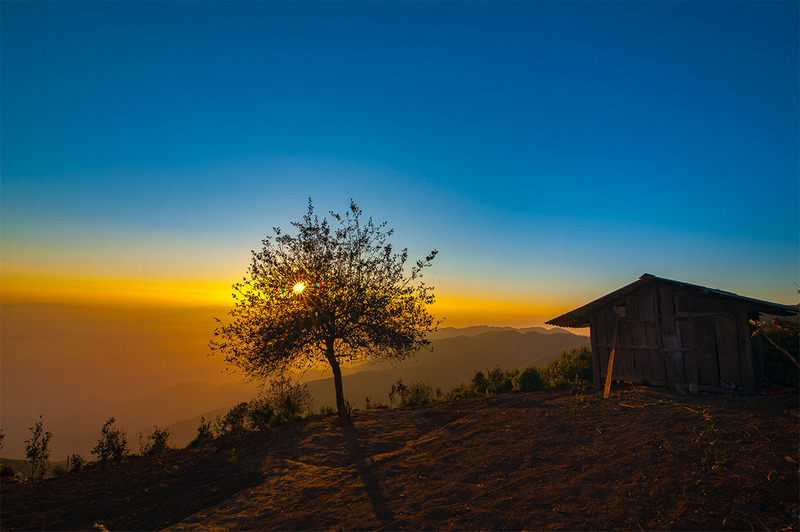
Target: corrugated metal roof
column 580, row 316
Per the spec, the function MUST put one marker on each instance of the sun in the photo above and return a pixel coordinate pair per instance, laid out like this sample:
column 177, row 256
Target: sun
column 299, row 287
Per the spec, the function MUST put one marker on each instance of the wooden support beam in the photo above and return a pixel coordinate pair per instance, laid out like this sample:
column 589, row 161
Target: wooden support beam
column 607, row 389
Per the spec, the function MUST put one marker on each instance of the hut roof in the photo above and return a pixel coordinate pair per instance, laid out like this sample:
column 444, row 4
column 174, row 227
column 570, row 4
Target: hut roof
column 580, row 316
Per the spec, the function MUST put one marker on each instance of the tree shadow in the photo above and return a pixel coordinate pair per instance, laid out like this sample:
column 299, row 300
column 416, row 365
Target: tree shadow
column 371, row 485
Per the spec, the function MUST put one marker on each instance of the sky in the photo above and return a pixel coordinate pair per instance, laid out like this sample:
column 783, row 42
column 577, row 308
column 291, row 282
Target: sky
column 551, row 151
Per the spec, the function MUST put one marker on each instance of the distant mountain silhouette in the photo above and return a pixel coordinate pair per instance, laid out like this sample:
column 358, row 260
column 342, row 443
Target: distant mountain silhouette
column 451, row 332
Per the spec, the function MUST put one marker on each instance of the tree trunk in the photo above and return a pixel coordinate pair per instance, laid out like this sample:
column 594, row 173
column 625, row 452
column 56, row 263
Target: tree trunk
column 344, row 417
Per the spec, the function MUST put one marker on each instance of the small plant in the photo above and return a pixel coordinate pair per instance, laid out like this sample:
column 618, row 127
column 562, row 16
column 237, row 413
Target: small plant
column 204, row 434
column 327, row 410
column 112, row 445
column 75, row 464
column 397, row 391
column 36, row 450
column 706, row 436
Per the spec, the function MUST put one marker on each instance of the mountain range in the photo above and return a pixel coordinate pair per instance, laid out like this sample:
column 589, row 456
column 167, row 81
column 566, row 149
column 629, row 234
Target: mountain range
column 453, row 356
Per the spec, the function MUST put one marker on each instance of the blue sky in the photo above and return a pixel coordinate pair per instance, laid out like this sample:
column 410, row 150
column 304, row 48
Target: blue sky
column 549, row 150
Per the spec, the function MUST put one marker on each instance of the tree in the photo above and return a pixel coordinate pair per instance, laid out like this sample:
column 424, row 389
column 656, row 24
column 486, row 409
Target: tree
column 36, row 450
column 112, row 445
column 333, row 292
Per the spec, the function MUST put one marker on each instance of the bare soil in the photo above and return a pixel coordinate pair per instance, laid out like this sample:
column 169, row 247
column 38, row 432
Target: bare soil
column 642, row 459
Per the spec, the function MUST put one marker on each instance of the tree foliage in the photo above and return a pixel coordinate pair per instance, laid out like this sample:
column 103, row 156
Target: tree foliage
column 570, row 369
column 112, row 446
column 332, row 292
column 36, row 450
column 156, row 442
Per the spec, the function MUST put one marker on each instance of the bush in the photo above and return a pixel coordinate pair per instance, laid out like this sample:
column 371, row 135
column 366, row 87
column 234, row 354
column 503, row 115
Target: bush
column 36, row 450
column 324, row 411
column 157, row 441
column 478, row 383
column 462, row 391
column 75, row 464
column 285, row 401
column 260, row 413
column 289, row 400
column 570, row 369
column 499, row 381
column 112, row 445
column 528, row 380
column 204, row 434
column 233, row 422
column 416, row 394
column 779, row 368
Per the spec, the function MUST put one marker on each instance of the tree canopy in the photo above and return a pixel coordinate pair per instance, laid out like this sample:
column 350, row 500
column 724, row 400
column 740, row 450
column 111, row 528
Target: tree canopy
column 330, row 292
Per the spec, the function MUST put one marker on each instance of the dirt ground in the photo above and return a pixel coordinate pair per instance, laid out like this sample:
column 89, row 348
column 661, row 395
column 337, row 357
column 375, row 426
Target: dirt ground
column 642, row 459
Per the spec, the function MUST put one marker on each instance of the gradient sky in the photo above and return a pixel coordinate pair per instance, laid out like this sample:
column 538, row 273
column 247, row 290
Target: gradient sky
column 552, row 151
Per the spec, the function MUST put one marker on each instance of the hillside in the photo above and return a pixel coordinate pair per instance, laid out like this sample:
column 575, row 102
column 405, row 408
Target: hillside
column 642, row 459
column 451, row 361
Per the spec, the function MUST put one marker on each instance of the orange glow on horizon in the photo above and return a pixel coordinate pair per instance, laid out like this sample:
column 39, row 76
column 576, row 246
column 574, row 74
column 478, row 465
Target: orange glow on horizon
column 25, row 286
column 465, row 312
column 455, row 310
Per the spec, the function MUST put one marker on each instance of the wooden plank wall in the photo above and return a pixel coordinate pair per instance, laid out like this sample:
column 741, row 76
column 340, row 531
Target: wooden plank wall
column 670, row 334
column 730, row 369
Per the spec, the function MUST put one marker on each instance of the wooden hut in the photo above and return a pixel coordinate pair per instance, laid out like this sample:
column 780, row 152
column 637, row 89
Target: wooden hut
column 673, row 333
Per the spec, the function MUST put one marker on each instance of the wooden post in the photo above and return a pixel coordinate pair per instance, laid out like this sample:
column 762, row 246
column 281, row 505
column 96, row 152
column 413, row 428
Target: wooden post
column 607, row 389
column 745, row 349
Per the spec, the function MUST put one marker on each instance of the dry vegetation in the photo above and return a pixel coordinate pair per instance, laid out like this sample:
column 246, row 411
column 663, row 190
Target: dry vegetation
column 544, row 460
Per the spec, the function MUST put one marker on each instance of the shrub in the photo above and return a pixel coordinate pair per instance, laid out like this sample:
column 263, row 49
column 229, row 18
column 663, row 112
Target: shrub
column 112, row 445
column 462, row 391
column 498, row 381
column 416, row 394
column 36, row 450
column 478, row 383
column 779, row 368
column 324, row 411
column 260, row 413
column 157, row 441
column 327, row 410
column 233, row 422
column 75, row 464
column 204, row 434
column 528, row 380
column 289, row 400
column 570, row 369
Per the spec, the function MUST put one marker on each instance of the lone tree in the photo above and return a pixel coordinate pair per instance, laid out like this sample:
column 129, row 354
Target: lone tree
column 333, row 292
